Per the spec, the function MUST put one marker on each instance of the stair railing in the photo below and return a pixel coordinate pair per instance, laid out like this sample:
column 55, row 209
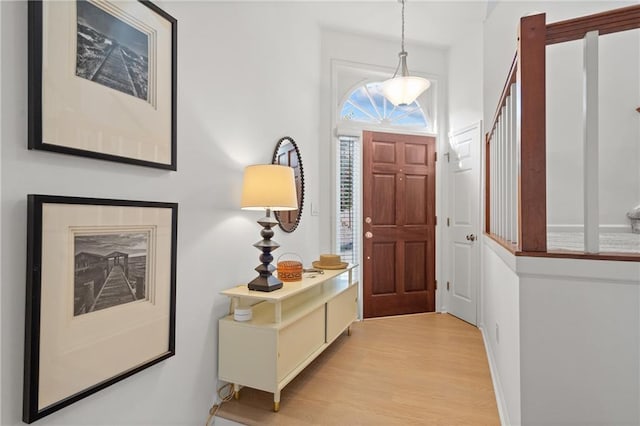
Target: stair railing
column 515, row 145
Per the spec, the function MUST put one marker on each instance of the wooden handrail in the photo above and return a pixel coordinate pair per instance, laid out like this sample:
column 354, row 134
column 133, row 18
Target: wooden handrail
column 611, row 21
column 512, row 248
column 568, row 254
column 506, row 91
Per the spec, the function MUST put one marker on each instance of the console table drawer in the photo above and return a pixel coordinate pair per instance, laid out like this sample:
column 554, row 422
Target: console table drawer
column 299, row 340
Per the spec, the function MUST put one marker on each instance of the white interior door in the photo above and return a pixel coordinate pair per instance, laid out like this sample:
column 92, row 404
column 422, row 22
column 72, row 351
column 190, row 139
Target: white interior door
column 464, row 222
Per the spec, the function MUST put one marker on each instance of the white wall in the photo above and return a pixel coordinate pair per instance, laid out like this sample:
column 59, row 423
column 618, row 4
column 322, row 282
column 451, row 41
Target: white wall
column 248, row 74
column 579, row 330
column 619, row 132
column 618, row 129
column 568, row 350
column 565, row 134
column 501, row 327
column 465, row 79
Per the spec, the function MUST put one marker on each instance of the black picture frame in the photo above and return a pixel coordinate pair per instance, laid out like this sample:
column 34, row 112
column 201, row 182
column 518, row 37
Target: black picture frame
column 66, row 350
column 66, row 112
column 287, row 153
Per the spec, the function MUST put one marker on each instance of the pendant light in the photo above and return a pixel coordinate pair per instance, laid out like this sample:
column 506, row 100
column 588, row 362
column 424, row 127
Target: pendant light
column 403, row 89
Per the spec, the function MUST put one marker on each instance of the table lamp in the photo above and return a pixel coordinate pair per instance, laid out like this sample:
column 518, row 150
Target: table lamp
column 268, row 187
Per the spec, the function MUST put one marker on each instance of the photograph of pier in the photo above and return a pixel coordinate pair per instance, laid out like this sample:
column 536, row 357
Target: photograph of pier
column 111, row 52
column 110, row 270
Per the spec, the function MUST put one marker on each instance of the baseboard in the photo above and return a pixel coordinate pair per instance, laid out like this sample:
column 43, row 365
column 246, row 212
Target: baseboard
column 497, row 386
column 580, row 228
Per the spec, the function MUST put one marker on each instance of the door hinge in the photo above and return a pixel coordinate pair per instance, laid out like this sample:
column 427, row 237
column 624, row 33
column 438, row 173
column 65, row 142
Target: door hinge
column 436, row 221
column 448, row 222
column 436, row 281
column 435, row 156
column 448, row 155
column 447, row 285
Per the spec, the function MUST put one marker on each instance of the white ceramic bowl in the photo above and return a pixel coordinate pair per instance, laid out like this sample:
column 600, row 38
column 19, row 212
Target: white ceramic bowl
column 242, row 314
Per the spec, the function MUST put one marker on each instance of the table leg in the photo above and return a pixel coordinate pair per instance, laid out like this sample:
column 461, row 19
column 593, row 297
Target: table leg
column 236, row 391
column 276, row 401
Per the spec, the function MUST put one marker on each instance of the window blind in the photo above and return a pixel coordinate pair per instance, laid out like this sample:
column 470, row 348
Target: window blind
column 348, row 200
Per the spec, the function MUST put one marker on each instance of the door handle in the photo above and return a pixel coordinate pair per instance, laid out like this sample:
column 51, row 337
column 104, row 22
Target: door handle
column 471, row 237
column 368, row 235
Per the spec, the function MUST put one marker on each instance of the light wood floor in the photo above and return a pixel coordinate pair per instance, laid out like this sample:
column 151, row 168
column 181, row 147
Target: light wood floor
column 415, row 369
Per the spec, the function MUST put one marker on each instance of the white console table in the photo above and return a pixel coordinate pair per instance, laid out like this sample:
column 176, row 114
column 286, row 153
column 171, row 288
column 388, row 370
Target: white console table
column 289, row 329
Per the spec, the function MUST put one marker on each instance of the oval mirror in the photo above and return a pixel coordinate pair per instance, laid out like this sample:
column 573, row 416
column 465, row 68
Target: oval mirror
column 288, row 154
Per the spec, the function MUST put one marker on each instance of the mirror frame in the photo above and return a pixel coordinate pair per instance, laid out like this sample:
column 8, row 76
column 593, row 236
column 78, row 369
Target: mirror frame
column 289, row 225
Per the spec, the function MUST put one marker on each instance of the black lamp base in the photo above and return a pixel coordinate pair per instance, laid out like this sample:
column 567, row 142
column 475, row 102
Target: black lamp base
column 268, row 283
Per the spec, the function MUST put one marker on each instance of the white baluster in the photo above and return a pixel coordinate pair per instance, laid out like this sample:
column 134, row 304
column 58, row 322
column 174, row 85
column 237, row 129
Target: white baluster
column 590, row 150
column 513, row 164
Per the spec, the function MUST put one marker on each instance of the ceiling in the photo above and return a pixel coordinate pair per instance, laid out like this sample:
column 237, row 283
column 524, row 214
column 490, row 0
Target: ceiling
column 426, row 22
column 431, row 22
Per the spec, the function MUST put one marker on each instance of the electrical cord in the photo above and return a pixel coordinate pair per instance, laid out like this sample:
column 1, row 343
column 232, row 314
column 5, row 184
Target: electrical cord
column 223, row 398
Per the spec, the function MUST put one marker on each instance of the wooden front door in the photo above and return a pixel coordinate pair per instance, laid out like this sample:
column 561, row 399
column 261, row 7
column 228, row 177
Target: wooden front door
column 399, row 224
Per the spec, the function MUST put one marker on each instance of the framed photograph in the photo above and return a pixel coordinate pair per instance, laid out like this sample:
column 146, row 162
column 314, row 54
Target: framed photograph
column 102, row 80
column 100, row 306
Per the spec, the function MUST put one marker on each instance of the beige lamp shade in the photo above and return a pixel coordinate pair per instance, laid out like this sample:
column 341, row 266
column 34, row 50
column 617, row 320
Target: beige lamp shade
column 269, row 186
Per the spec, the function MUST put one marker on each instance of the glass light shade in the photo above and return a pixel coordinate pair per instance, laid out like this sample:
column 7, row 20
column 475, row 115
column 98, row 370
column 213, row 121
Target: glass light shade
column 404, row 90
column 268, row 186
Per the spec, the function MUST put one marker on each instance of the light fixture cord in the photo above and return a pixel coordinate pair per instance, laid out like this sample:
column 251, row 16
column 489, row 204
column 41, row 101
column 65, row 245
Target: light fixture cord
column 402, row 42
column 402, row 52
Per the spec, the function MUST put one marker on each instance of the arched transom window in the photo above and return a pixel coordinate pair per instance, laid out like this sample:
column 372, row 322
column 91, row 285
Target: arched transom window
column 367, row 104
